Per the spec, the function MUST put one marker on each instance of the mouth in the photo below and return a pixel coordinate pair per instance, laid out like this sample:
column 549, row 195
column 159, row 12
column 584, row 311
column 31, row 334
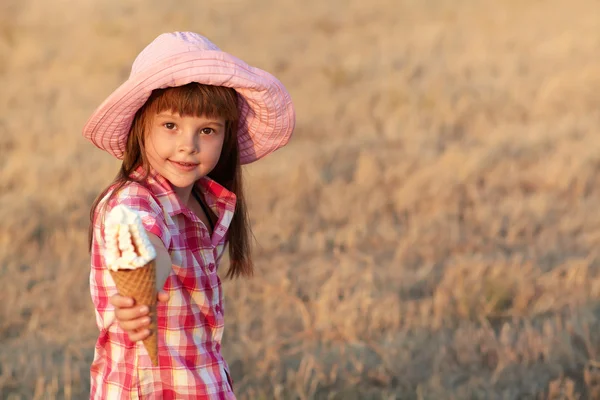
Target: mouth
column 186, row 166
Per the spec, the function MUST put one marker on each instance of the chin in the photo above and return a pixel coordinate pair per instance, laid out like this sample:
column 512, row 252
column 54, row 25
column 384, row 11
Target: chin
column 183, row 183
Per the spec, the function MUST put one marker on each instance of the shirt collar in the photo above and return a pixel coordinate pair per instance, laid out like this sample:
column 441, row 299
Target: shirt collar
column 217, row 197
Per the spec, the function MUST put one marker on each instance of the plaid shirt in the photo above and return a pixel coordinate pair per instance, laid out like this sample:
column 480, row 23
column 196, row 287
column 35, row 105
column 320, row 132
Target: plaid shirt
column 190, row 325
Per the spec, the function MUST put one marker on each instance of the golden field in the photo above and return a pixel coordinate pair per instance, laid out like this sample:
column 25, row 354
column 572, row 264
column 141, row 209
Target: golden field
column 430, row 232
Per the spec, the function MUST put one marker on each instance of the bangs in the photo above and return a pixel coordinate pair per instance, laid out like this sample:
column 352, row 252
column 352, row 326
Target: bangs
column 196, row 100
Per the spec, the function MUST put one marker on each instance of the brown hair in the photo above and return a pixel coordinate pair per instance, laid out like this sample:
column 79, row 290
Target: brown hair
column 193, row 99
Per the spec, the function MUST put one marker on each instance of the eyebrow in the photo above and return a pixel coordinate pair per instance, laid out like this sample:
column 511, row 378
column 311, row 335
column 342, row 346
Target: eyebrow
column 166, row 114
column 216, row 123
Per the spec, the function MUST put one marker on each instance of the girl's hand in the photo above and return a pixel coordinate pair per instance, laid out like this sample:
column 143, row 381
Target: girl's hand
column 132, row 318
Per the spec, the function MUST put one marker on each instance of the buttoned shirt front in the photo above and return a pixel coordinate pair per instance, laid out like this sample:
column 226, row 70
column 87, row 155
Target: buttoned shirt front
column 190, row 324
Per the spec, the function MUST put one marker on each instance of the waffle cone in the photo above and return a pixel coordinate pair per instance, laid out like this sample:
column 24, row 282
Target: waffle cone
column 140, row 284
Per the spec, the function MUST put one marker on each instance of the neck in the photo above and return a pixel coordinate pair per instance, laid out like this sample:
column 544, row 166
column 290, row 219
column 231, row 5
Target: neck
column 184, row 194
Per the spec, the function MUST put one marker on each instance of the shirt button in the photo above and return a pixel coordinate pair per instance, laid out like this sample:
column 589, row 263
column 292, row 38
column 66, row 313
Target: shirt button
column 218, row 309
column 211, row 267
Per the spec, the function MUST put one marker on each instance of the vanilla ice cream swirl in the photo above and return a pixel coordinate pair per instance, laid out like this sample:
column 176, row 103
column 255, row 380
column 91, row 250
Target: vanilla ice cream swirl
column 127, row 244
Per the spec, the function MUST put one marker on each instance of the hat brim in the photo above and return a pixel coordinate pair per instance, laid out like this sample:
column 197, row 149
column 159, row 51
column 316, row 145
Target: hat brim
column 267, row 116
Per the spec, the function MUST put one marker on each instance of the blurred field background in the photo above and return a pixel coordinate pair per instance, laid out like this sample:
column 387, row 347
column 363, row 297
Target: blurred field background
column 431, row 232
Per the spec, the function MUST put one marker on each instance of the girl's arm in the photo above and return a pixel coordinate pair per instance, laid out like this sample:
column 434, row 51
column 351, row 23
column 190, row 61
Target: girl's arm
column 163, row 261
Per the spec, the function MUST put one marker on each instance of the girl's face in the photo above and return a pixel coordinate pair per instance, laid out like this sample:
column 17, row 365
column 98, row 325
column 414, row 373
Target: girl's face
column 184, row 149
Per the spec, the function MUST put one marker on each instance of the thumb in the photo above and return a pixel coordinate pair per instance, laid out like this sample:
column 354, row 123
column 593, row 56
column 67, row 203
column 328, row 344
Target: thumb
column 163, row 296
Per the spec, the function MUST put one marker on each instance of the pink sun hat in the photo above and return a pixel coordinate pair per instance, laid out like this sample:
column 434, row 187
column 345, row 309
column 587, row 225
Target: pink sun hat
column 267, row 116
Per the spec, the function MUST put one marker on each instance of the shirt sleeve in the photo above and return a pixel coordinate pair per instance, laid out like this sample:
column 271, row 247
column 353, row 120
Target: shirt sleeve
column 140, row 199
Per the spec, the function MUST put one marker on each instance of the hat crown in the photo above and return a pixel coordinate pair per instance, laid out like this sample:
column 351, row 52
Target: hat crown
column 169, row 45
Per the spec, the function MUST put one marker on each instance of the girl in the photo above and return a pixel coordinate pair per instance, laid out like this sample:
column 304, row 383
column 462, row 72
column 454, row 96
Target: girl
column 183, row 123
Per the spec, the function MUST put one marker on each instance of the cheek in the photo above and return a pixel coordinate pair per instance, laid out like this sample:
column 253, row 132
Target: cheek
column 155, row 147
column 217, row 151
column 211, row 150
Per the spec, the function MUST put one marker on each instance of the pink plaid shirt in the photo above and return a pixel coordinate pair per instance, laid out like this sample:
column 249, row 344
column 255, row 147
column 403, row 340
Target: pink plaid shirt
column 190, row 325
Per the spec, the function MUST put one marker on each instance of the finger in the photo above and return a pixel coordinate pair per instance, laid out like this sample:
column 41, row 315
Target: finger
column 140, row 335
column 121, row 301
column 135, row 324
column 131, row 313
column 163, row 296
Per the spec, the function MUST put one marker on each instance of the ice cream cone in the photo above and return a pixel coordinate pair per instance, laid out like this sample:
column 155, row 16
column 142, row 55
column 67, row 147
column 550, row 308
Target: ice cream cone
column 140, row 284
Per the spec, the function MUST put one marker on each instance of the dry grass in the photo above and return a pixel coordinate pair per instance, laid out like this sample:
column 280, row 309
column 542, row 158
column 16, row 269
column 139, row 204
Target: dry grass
column 430, row 233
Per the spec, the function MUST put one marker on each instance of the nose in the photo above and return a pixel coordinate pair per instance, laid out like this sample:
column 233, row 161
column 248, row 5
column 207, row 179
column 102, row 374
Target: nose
column 188, row 142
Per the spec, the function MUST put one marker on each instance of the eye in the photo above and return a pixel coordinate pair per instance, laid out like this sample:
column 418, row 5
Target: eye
column 169, row 125
column 208, row 131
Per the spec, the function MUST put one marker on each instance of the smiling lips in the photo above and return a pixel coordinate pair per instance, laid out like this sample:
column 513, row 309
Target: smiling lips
column 184, row 166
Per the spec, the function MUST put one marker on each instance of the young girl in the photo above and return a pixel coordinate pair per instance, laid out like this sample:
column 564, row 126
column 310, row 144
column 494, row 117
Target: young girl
column 183, row 123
